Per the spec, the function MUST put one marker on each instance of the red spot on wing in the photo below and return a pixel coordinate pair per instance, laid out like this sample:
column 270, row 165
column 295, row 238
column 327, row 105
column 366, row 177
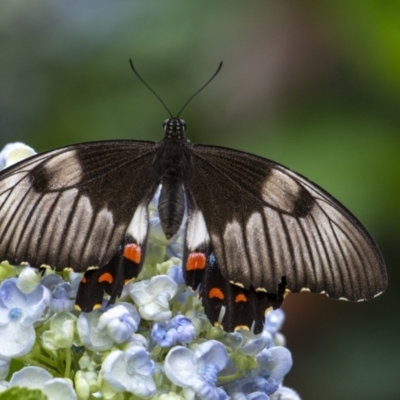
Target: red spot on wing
column 196, row 261
column 216, row 293
column 106, row 277
column 83, row 280
column 240, row 297
column 133, row 252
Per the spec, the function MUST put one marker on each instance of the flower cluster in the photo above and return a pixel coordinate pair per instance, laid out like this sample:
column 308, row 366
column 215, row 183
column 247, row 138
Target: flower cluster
column 155, row 343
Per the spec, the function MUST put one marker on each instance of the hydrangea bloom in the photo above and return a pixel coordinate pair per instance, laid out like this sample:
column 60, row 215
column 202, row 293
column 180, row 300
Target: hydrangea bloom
column 155, row 342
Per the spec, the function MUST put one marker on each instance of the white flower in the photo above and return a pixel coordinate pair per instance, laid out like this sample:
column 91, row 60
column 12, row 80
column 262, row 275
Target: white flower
column 198, row 370
column 39, row 378
column 153, row 296
column 14, row 152
column 130, row 371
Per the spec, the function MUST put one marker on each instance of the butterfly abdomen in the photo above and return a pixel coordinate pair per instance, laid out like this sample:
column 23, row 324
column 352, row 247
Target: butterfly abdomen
column 173, row 167
column 171, row 207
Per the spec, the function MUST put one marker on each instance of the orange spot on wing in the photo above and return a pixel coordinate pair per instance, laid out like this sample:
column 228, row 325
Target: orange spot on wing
column 215, row 292
column 240, row 297
column 83, row 280
column 196, row 261
column 106, row 277
column 132, row 252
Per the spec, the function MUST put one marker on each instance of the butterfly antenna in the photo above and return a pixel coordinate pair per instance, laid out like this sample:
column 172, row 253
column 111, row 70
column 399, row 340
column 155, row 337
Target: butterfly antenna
column 148, row 87
column 215, row 74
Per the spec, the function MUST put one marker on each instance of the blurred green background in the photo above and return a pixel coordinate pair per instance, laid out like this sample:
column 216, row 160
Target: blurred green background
column 314, row 85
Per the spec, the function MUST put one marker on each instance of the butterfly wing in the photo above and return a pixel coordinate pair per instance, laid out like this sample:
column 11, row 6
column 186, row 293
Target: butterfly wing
column 227, row 305
column 72, row 207
column 266, row 223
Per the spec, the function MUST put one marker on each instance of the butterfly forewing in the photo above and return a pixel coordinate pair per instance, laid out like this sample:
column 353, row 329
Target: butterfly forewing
column 71, row 207
column 267, row 223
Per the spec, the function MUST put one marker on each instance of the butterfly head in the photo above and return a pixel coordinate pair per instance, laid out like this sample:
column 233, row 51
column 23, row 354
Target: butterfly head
column 174, row 128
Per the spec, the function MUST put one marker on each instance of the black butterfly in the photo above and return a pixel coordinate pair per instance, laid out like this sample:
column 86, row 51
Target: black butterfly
column 254, row 230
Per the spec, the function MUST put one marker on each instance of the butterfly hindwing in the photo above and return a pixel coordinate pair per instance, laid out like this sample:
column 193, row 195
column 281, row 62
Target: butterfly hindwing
column 241, row 308
column 267, row 223
column 124, row 266
column 72, row 207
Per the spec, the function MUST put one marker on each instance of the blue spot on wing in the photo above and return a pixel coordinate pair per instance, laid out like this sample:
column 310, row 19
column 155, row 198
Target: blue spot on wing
column 211, row 260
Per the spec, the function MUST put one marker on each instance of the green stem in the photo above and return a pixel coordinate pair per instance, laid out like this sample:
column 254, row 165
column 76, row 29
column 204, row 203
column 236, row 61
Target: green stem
column 67, row 363
column 224, row 379
column 46, row 360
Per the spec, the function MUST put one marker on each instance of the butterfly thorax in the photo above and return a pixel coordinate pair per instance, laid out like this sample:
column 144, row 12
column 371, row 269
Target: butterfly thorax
column 173, row 160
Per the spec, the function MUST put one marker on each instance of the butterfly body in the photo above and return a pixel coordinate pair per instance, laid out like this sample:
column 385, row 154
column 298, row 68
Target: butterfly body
column 254, row 229
column 174, row 161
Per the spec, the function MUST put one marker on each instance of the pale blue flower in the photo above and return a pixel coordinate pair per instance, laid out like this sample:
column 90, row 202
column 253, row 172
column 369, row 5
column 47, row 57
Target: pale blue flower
column 119, row 321
column 163, row 336
column 249, row 343
column 175, row 272
column 91, row 336
column 130, row 371
column 251, row 388
column 274, row 363
column 153, row 297
column 184, row 327
column 60, row 290
column 274, row 321
column 18, row 313
column 99, row 330
column 198, row 370
column 178, row 329
column 39, row 378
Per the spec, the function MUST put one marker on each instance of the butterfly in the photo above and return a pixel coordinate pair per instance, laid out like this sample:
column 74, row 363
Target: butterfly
column 254, row 231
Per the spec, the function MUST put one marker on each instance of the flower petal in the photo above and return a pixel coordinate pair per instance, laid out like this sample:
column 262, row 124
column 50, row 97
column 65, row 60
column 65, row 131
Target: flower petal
column 59, row 389
column 92, row 337
column 281, row 363
column 179, row 366
column 11, row 296
column 211, row 352
column 30, row 377
column 163, row 284
column 16, row 339
column 14, row 152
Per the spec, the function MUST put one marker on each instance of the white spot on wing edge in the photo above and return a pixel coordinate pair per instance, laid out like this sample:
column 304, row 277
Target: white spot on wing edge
column 197, row 233
column 139, row 224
